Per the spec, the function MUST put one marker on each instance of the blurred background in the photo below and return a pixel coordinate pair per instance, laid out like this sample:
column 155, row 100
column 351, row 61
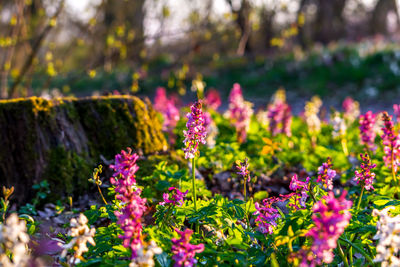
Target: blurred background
column 331, row 48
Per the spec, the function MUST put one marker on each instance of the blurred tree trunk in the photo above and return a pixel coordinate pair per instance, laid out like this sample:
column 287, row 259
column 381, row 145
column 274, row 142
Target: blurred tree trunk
column 267, row 19
column 243, row 21
column 329, row 24
column 379, row 16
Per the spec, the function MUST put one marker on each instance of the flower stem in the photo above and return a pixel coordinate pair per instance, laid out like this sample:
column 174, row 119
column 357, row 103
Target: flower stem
column 194, row 183
column 101, row 194
column 360, row 198
column 367, row 257
column 392, row 163
column 344, row 147
column 344, row 258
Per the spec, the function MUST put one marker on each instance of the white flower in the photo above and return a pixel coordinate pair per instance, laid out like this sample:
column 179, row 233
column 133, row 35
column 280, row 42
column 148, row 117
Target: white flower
column 389, row 238
column 145, row 255
column 339, row 125
column 14, row 239
column 81, row 235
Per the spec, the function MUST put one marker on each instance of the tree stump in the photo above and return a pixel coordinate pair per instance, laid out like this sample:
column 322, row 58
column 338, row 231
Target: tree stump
column 62, row 140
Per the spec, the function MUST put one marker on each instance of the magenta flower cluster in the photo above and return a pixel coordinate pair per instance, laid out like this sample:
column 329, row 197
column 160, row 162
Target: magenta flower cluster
column 331, row 217
column 213, row 99
column 267, row 215
column 300, row 189
column 364, row 174
column 243, row 169
column 183, row 251
column 280, row 118
column 396, row 109
column 367, row 131
column 239, row 112
column 391, row 143
column 166, row 106
column 196, row 132
column 326, row 174
column 131, row 213
column 176, row 197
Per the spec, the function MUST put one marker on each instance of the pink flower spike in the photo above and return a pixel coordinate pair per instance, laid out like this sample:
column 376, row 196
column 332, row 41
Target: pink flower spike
column 196, row 132
column 183, row 251
column 364, row 174
column 367, row 132
column 326, row 174
column 176, row 197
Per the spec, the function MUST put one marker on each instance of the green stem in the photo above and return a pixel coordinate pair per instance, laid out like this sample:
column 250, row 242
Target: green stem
column 101, row 194
column 360, row 198
column 344, row 258
column 194, row 183
column 366, row 256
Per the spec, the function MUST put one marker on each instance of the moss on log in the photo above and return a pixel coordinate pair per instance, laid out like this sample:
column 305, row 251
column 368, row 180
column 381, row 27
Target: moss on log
column 62, row 140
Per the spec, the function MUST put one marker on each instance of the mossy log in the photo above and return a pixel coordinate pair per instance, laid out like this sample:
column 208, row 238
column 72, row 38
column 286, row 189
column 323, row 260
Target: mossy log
column 62, row 140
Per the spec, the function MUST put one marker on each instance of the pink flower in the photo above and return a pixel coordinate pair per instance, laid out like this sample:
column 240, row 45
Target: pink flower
column 213, row 99
column 331, row 216
column 396, row 109
column 267, row 215
column 183, row 251
column 166, row 106
column 243, row 169
column 351, row 109
column 364, row 174
column 367, row 132
column 326, row 174
column 239, row 112
column 130, row 215
column 391, row 143
column 196, row 132
column 301, row 191
column 280, row 118
column 176, row 197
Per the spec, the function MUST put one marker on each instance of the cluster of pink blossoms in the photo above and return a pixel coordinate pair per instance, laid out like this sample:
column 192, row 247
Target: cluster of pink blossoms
column 326, row 174
column 183, row 251
column 129, row 218
column 196, row 132
column 331, row 217
column 351, row 109
column 212, row 99
column 240, row 112
column 300, row 193
column 176, row 197
column 243, row 169
column 364, row 175
column 396, row 109
column 280, row 118
column 367, row 131
column 166, row 106
column 391, row 142
column 267, row 215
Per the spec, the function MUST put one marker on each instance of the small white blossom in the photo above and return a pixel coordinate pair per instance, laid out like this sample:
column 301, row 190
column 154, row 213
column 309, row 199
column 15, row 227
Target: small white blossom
column 13, row 239
column 145, row 255
column 389, row 238
column 81, row 234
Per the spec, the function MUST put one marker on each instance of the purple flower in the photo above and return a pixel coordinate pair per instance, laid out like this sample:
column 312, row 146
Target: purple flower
column 364, row 174
column 196, row 132
column 176, row 197
column 396, row 109
column 326, row 174
column 331, row 216
column 280, row 118
column 183, row 251
column 213, row 99
column 267, row 215
column 133, row 206
column 243, row 169
column 239, row 112
column 301, row 191
column 367, row 132
column 391, row 143
column 166, row 106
